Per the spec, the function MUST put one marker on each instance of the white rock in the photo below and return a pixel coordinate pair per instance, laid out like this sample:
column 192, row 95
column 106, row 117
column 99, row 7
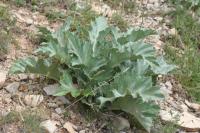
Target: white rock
column 32, row 76
column 23, row 76
column 7, row 100
column 168, row 116
column 165, row 90
column 158, row 44
column 106, row 10
column 189, row 121
column 50, row 126
column 172, row 31
column 169, row 85
column 33, row 100
column 183, row 107
column 51, row 89
column 59, row 110
column 82, row 131
column 13, row 87
column 153, row 1
column 3, row 75
column 70, row 127
column 149, row 6
column 186, row 120
column 194, row 106
column 80, row 5
column 52, row 105
column 159, row 18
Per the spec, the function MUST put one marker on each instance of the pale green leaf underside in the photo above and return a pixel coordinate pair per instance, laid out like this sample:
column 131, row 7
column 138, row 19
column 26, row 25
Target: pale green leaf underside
column 99, row 25
column 162, row 67
column 129, row 83
column 142, row 111
column 36, row 66
column 67, row 86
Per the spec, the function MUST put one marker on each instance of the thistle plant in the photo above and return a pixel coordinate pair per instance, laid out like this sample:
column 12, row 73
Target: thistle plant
column 108, row 68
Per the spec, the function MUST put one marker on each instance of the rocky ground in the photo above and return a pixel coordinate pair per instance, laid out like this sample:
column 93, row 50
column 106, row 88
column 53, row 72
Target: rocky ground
column 30, row 95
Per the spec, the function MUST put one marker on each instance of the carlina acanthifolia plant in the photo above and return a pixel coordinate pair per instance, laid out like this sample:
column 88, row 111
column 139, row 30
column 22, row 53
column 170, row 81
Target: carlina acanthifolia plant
column 108, row 68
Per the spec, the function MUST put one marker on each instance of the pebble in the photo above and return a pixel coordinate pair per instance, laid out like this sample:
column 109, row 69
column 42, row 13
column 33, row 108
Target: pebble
column 71, row 128
column 82, row 131
column 58, row 110
column 49, row 125
column 121, row 123
column 172, row 31
column 64, row 100
column 7, row 100
column 13, row 87
column 52, row 105
column 156, row 5
column 33, row 100
column 23, row 76
column 51, row 89
column 32, row 76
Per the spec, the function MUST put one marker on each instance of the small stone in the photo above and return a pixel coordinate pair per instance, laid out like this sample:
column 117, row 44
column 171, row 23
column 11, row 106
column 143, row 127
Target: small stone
column 52, row 105
column 121, row 123
column 88, row 125
column 70, row 127
column 184, row 107
column 32, row 76
column 7, row 100
column 169, row 85
column 193, row 106
column 186, row 120
column 33, row 100
column 13, row 87
column 165, row 90
column 82, row 131
column 55, row 116
column 149, row 6
column 158, row 18
column 172, row 32
column 156, row 5
column 23, row 76
column 59, row 110
column 3, row 75
column 29, row 21
column 63, row 99
column 51, row 89
column 49, row 125
column 153, row 1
